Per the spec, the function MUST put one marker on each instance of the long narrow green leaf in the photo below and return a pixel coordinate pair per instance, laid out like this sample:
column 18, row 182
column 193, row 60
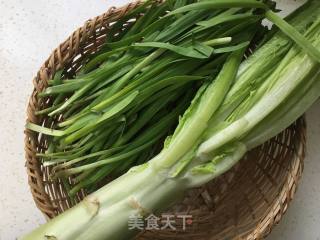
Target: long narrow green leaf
column 294, row 35
column 44, row 130
column 231, row 48
column 184, row 51
column 102, row 57
column 218, row 20
column 134, row 38
column 216, row 4
column 109, row 113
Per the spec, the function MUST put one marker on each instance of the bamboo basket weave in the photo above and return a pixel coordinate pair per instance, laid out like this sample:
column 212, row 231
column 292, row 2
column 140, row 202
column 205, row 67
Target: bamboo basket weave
column 245, row 203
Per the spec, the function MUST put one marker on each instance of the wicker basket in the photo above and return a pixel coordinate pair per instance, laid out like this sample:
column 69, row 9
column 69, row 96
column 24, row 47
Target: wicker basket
column 245, row 203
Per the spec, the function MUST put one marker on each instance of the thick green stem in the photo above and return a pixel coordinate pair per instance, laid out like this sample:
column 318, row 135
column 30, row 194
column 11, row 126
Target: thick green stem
column 214, row 168
column 209, row 103
column 140, row 192
column 280, row 91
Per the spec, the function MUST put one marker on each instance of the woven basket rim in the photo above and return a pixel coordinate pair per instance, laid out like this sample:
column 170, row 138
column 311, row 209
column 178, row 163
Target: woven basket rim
column 73, row 46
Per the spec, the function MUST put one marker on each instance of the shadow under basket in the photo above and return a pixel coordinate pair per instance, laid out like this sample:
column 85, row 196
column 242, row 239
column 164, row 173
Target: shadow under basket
column 245, row 203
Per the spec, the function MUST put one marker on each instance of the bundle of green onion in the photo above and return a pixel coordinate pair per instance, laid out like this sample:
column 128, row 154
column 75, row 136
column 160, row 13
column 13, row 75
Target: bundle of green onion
column 180, row 58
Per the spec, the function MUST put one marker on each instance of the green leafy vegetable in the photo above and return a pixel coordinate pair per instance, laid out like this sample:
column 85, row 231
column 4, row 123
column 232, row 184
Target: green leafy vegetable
column 171, row 104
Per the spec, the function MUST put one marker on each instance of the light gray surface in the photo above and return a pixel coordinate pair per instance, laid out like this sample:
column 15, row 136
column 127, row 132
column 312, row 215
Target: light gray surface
column 29, row 31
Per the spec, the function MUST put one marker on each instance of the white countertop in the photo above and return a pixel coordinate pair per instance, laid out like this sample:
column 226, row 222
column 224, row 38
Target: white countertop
column 29, row 31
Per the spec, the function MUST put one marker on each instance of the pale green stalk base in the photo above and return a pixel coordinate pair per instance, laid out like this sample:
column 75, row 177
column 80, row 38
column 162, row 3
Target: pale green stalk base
column 105, row 214
column 142, row 191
